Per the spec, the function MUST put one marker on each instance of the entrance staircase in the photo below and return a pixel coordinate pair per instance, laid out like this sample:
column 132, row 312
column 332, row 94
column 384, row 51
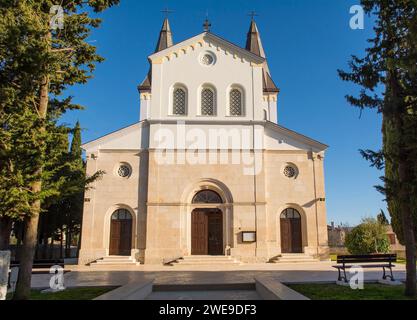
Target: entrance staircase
column 115, row 261
column 294, row 258
column 206, row 261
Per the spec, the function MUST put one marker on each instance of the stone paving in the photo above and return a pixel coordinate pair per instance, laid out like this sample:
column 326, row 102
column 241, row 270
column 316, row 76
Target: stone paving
column 205, row 295
column 286, row 273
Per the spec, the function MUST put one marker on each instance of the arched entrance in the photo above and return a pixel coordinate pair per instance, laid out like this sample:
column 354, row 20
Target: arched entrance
column 291, row 237
column 121, row 233
column 207, row 225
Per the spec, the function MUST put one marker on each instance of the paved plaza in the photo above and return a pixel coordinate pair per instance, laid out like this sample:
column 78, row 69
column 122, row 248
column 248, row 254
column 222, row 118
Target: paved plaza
column 285, row 273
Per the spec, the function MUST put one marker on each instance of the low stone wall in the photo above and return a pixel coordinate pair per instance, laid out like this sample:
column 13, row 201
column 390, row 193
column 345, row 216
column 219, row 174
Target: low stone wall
column 130, row 291
column 271, row 289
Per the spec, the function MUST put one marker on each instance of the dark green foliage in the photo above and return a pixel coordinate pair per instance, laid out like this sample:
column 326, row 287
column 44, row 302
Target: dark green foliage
column 382, row 219
column 388, row 79
column 63, row 211
column 37, row 64
column 29, row 51
column 367, row 238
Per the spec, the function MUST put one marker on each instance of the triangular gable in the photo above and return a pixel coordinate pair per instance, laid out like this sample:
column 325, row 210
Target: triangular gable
column 280, row 135
column 133, row 137
column 207, row 37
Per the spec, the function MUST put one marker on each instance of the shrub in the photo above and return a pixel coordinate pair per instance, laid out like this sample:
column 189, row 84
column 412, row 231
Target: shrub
column 368, row 237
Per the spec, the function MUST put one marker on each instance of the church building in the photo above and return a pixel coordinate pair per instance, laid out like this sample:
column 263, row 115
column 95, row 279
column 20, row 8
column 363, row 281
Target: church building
column 207, row 170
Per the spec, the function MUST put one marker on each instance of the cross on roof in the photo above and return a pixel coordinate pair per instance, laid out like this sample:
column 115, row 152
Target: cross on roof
column 207, row 25
column 167, row 11
column 253, row 14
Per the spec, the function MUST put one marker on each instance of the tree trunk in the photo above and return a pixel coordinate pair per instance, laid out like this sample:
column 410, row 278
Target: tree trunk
column 405, row 171
column 5, row 231
column 30, row 240
column 20, row 235
column 68, row 244
column 408, row 230
column 51, row 248
column 41, row 239
column 44, row 245
column 61, row 250
column 27, row 254
column 410, row 253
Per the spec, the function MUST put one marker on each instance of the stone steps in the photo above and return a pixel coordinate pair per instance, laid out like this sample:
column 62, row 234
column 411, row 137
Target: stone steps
column 115, row 261
column 206, row 261
column 294, row 258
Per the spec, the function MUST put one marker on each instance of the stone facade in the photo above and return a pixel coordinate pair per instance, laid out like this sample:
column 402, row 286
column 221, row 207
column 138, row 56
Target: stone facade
column 257, row 167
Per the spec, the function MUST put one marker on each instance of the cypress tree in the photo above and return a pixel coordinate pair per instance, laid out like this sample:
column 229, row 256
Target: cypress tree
column 390, row 67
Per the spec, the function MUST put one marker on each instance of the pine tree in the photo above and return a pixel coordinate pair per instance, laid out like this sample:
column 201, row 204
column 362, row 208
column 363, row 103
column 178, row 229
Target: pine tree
column 18, row 76
column 390, row 66
column 37, row 65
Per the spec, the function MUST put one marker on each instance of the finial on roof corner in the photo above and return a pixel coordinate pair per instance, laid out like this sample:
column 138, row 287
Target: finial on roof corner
column 253, row 14
column 166, row 12
column 207, row 24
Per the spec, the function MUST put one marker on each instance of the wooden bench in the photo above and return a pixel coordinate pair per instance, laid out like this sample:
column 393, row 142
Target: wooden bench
column 384, row 261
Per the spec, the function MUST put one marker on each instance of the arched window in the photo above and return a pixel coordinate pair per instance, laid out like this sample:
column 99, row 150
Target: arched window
column 207, row 196
column 290, row 213
column 208, row 99
column 235, row 103
column 179, row 102
column 121, row 214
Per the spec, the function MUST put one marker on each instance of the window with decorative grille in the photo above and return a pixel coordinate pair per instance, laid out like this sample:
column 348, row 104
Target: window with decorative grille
column 290, row 213
column 179, row 102
column 207, row 196
column 121, row 214
column 236, row 103
column 207, row 102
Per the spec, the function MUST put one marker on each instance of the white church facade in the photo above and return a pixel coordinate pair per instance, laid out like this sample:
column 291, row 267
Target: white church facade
column 207, row 170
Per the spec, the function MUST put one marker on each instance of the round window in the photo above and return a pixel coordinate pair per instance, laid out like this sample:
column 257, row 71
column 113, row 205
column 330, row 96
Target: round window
column 290, row 172
column 124, row 171
column 207, row 59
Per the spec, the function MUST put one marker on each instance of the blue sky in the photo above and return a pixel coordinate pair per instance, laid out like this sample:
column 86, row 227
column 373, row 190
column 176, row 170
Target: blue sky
column 305, row 42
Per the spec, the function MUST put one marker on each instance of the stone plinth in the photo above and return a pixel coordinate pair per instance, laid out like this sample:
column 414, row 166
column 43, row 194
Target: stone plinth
column 4, row 273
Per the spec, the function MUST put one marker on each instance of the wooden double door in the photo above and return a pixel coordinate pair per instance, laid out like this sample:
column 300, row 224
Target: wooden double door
column 120, row 237
column 291, row 239
column 207, row 232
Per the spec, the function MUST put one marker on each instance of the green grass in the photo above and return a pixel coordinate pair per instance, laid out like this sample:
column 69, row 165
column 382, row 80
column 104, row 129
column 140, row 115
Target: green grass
column 372, row 291
column 70, row 294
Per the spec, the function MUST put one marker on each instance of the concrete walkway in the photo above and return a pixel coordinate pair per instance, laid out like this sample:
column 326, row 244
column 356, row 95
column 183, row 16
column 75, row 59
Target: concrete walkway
column 286, row 273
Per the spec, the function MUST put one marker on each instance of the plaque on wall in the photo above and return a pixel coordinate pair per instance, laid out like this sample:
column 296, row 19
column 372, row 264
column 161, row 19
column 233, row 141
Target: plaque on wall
column 249, row 236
